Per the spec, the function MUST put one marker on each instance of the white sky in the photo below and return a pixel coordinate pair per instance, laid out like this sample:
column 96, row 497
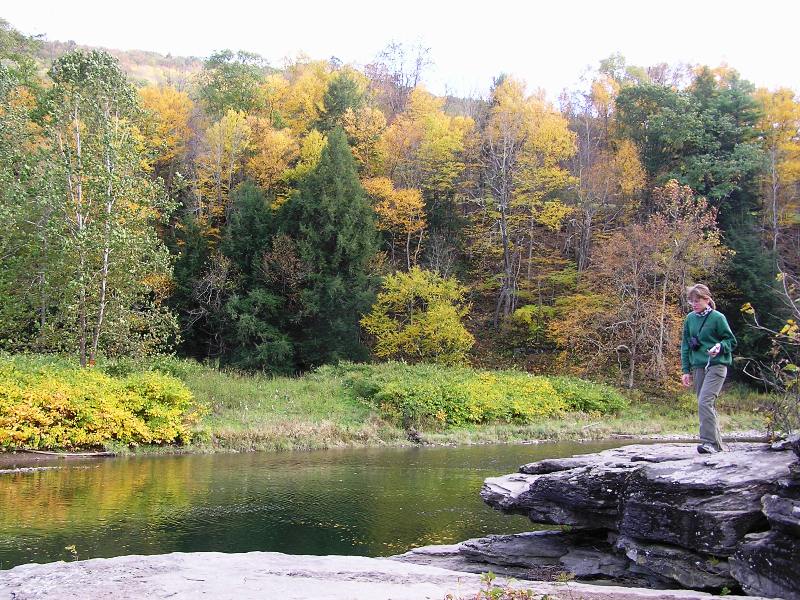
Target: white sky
column 549, row 44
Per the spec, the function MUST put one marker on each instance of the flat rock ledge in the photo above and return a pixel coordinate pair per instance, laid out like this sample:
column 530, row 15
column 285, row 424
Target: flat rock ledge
column 262, row 575
column 659, row 515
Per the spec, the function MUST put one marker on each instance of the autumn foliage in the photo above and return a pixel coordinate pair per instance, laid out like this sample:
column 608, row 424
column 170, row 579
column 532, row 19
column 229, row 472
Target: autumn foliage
column 275, row 218
column 418, row 317
column 55, row 406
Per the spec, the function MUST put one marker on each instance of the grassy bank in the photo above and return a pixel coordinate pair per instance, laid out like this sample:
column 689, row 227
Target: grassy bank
column 320, row 410
column 252, row 413
column 390, row 404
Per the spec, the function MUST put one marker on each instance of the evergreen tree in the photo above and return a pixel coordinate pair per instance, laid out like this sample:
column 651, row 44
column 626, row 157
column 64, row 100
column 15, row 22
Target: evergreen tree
column 703, row 137
column 333, row 226
column 748, row 278
column 706, row 137
column 250, row 227
column 255, row 339
column 255, row 316
column 725, row 167
column 343, row 92
column 664, row 125
column 191, row 247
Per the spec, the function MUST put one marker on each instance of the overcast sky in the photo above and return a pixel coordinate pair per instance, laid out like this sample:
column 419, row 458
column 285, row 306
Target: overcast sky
column 548, row 44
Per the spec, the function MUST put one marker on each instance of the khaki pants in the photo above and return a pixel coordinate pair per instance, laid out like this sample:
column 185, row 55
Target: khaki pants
column 707, row 385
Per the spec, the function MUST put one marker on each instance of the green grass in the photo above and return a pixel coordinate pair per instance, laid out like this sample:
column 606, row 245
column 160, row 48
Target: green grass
column 321, row 410
column 331, row 408
column 252, row 412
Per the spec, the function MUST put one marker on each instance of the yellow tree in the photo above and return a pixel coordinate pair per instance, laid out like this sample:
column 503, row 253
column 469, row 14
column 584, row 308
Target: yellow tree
column 298, row 96
column 272, row 153
column 610, row 184
column 417, row 317
column 220, row 165
column 609, row 173
column 780, row 127
column 271, row 94
column 400, row 212
column 310, row 153
column 603, row 94
column 403, row 138
column 423, row 145
column 525, row 142
column 364, row 127
column 167, row 131
column 440, row 154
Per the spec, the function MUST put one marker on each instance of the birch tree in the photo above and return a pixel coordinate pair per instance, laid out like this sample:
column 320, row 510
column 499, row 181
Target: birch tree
column 120, row 270
column 524, row 144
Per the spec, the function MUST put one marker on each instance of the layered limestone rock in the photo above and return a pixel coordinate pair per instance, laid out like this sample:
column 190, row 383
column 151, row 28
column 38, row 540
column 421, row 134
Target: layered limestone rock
column 699, row 521
column 768, row 563
column 585, row 555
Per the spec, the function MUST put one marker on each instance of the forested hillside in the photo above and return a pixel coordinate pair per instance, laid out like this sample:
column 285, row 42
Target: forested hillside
column 277, row 219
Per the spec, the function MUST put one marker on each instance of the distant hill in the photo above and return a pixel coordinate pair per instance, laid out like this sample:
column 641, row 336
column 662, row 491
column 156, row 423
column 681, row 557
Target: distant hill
column 143, row 67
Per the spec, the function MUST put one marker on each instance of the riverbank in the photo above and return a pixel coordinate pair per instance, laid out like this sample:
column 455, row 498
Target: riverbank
column 320, row 412
column 258, row 575
column 346, row 407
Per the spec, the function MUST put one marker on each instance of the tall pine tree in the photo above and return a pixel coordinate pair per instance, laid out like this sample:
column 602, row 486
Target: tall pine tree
column 255, row 314
column 333, row 226
column 192, row 252
column 343, row 92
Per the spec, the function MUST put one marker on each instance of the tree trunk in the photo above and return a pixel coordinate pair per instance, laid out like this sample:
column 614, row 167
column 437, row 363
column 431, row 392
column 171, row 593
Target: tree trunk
column 80, row 224
column 43, row 299
column 106, row 261
column 632, row 371
column 106, row 247
column 530, row 248
column 585, row 241
column 419, row 246
column 408, row 251
column 504, row 299
column 661, row 326
column 775, row 190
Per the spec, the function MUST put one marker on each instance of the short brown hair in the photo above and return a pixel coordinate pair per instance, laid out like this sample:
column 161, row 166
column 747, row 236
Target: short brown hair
column 699, row 290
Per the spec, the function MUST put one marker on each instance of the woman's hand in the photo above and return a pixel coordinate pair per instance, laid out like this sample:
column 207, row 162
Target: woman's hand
column 714, row 350
column 686, row 380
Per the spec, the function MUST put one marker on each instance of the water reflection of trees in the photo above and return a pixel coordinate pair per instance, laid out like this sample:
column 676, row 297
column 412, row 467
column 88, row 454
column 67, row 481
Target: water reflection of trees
column 370, row 502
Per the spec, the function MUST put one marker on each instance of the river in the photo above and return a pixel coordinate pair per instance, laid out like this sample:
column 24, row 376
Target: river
column 373, row 502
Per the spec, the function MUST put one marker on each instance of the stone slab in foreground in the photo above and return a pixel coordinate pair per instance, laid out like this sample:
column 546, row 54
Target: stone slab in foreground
column 263, row 575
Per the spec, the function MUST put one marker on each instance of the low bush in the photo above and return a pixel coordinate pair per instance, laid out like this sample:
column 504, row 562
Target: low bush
column 430, row 395
column 586, row 396
column 54, row 404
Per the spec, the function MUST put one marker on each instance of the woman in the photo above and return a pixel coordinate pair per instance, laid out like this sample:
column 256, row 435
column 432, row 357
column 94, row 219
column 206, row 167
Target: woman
column 706, row 349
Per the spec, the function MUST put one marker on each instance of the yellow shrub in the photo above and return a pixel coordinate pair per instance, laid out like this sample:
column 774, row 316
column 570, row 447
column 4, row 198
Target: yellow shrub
column 62, row 407
column 439, row 396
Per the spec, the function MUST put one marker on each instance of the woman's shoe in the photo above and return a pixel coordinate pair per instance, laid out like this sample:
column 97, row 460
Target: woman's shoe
column 707, row 449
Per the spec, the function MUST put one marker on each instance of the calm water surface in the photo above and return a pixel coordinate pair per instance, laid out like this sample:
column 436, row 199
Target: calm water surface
column 366, row 502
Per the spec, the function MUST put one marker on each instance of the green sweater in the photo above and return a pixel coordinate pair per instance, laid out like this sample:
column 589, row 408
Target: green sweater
column 715, row 330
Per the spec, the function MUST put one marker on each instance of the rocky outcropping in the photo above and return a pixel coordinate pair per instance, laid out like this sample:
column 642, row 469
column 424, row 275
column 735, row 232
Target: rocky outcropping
column 538, row 556
column 726, row 520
